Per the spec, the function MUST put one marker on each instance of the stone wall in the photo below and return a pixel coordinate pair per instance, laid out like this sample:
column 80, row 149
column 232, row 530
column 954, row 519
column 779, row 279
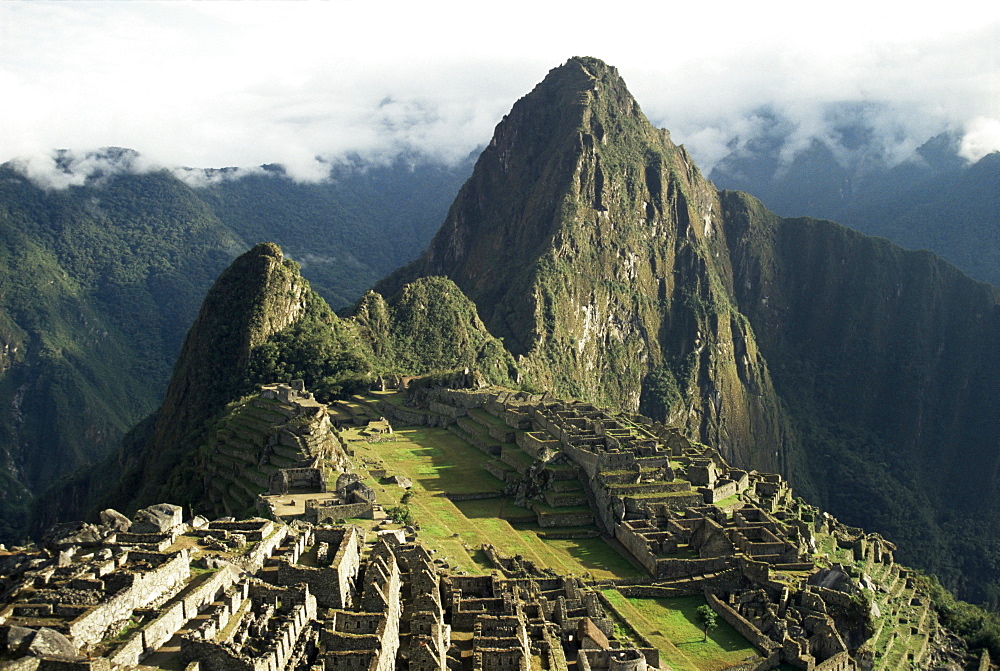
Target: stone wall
column 288, row 478
column 160, row 630
column 671, row 568
column 637, row 547
column 254, row 560
column 130, row 652
column 146, row 587
column 326, row 513
column 751, row 633
column 446, row 410
column 839, row 662
column 209, row 591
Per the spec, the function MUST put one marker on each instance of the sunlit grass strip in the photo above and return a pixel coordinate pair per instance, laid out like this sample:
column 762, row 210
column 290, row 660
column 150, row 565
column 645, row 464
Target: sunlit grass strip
column 670, row 624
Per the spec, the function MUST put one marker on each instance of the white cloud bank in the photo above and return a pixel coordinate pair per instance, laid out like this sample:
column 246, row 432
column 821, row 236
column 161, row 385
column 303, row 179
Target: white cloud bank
column 241, row 84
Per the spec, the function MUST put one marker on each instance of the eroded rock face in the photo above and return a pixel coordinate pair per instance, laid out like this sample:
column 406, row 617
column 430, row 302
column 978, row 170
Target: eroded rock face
column 50, row 644
column 158, row 518
column 594, row 247
column 114, row 519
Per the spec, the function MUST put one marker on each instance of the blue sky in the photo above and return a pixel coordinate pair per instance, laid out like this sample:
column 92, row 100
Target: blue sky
column 213, row 84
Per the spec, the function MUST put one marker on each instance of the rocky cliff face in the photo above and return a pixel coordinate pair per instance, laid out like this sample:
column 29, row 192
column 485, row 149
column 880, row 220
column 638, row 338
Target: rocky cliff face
column 616, row 273
column 589, row 243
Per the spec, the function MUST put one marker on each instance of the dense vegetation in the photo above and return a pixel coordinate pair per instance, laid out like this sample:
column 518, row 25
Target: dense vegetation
column 347, row 232
column 431, row 326
column 94, row 282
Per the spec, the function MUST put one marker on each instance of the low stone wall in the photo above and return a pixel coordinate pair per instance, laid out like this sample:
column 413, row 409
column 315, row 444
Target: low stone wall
column 636, row 546
column 670, row 568
column 161, row 629
column 588, row 460
column 502, row 434
column 611, row 607
column 507, row 457
column 264, row 549
column 412, row 416
column 751, row 633
column 464, row 398
column 254, row 530
column 209, row 591
column 723, row 489
column 148, row 586
column 473, row 496
column 794, row 566
column 447, row 410
column 569, row 535
column 288, row 478
column 564, row 519
column 839, row 662
column 478, row 441
column 130, row 652
column 675, row 501
column 499, row 472
column 324, row 514
column 657, row 591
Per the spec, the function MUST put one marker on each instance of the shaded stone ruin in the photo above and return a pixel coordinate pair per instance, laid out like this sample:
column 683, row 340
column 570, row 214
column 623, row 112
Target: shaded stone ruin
column 352, row 499
column 525, row 613
column 313, row 597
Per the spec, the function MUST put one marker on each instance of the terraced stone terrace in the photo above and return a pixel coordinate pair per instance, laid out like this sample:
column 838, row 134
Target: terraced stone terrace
column 476, row 530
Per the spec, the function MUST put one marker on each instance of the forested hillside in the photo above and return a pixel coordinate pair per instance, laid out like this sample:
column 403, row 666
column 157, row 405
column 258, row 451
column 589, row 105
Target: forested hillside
column 100, row 283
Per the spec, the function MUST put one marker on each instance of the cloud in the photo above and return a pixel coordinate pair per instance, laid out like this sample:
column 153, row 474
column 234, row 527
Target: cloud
column 982, row 136
column 208, row 85
column 65, row 168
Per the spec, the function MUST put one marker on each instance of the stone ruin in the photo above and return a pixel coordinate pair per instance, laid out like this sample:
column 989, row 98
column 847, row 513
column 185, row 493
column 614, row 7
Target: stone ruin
column 262, row 595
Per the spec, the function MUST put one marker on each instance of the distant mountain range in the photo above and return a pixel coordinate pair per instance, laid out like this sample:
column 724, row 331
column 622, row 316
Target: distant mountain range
column 932, row 200
column 592, row 249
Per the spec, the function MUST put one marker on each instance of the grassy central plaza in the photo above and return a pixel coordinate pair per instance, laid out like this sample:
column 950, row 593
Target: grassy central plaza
column 440, row 463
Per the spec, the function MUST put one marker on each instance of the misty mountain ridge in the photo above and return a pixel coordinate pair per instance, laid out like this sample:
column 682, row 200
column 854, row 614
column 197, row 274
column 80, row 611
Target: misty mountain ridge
column 928, row 198
column 613, row 271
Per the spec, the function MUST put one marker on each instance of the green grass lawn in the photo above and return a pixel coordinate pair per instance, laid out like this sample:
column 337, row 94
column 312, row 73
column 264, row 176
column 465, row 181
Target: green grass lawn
column 438, row 461
column 671, row 626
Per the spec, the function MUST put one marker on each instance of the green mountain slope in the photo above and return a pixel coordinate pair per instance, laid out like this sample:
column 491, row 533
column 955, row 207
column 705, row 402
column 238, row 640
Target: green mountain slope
column 888, row 362
column 94, row 280
column 585, row 237
column 617, row 274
